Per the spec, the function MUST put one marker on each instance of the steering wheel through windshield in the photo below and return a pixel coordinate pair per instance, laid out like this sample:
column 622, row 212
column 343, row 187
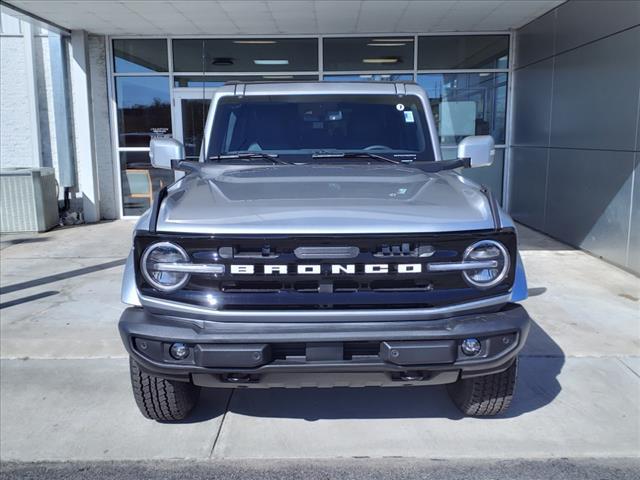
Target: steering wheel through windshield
column 377, row 147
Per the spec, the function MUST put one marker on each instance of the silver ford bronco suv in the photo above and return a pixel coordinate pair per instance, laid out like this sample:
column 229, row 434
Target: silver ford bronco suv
column 321, row 240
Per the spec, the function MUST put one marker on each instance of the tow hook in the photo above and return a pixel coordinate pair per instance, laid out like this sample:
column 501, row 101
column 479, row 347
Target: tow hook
column 411, row 376
column 238, row 378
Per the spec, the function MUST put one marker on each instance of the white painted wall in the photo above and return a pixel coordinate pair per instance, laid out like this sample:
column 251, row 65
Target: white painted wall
column 46, row 115
column 16, row 134
column 102, row 131
column 20, row 125
column 80, row 70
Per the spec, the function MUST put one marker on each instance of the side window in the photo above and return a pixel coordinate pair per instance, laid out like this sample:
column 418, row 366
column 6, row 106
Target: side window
column 467, row 104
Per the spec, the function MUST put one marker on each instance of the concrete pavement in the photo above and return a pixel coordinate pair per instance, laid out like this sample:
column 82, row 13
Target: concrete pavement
column 65, row 392
column 59, row 292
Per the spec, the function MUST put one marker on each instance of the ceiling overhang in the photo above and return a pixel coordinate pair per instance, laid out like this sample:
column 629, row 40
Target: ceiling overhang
column 282, row 17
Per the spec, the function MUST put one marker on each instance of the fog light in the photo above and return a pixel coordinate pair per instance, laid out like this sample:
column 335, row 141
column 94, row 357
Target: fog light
column 179, row 351
column 471, row 346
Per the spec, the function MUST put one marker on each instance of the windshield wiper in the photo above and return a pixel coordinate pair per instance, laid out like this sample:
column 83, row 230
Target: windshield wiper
column 355, row 155
column 428, row 167
column 250, row 156
column 442, row 165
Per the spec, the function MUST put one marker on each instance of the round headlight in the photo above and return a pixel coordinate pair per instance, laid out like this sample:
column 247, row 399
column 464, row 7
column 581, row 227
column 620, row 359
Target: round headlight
column 156, row 265
column 495, row 258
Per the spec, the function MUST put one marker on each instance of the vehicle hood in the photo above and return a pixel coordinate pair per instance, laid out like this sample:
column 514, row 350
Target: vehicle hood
column 322, row 199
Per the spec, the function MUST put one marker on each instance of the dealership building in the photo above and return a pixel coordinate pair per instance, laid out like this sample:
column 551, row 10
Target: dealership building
column 84, row 85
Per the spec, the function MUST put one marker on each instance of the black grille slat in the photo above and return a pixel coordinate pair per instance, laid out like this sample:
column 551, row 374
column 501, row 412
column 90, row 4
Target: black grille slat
column 419, row 285
column 251, row 287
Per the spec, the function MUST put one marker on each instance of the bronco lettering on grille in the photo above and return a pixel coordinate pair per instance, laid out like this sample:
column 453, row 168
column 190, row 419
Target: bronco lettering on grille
column 334, row 269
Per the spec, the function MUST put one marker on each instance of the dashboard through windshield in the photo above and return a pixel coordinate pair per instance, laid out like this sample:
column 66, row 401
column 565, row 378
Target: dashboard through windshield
column 297, row 127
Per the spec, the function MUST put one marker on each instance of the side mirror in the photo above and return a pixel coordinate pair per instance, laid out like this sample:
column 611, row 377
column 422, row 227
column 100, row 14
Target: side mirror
column 163, row 150
column 479, row 149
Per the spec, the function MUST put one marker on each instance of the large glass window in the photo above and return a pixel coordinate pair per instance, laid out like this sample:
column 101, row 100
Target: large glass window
column 139, row 181
column 300, row 125
column 369, row 53
column 140, row 56
column 144, row 109
column 463, row 51
column 467, row 104
column 471, row 102
column 246, row 55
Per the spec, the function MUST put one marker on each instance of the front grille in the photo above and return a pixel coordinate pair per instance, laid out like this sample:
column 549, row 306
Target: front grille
column 327, row 289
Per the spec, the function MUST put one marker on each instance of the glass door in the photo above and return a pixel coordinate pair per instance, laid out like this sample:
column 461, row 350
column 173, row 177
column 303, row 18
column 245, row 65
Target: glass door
column 190, row 114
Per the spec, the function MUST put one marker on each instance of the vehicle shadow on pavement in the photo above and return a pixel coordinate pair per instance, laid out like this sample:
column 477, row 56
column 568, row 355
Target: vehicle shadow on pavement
column 540, row 364
column 345, row 403
column 213, row 403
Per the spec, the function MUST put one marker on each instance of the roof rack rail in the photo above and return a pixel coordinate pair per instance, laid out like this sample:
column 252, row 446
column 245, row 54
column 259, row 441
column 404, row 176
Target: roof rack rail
column 275, row 80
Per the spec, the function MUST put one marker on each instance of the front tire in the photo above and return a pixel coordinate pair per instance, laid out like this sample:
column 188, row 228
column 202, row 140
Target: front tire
column 160, row 399
column 485, row 396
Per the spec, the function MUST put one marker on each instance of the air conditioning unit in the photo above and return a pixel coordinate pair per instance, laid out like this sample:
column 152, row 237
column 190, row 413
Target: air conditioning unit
column 28, row 200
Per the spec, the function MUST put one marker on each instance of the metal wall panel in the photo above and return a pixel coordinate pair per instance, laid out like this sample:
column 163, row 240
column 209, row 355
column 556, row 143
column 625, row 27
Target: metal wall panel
column 589, row 200
column 531, row 111
column 528, row 185
column 490, row 176
column 637, row 149
column 535, row 40
column 633, row 256
column 581, row 188
column 595, row 94
column 580, row 22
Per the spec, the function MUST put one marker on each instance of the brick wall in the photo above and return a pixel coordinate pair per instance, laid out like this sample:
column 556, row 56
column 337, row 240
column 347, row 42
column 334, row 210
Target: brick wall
column 16, row 135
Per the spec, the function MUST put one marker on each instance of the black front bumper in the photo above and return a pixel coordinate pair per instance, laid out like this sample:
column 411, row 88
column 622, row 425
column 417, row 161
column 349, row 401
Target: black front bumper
column 229, row 354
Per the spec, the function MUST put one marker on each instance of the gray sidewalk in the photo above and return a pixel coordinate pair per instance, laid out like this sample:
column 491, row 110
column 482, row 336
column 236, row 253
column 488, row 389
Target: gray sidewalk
column 65, row 392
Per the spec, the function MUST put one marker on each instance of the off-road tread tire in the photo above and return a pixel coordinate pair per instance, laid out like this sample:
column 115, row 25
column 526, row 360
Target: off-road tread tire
column 160, row 399
column 485, row 396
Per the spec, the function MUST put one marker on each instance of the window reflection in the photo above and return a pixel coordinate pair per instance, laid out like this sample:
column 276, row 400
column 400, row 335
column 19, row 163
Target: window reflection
column 245, row 55
column 463, row 51
column 140, row 55
column 194, row 115
column 140, row 181
column 467, row 104
column 368, row 53
column 144, row 109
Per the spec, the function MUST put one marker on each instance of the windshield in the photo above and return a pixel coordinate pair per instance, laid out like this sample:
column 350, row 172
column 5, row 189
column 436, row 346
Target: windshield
column 299, row 126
